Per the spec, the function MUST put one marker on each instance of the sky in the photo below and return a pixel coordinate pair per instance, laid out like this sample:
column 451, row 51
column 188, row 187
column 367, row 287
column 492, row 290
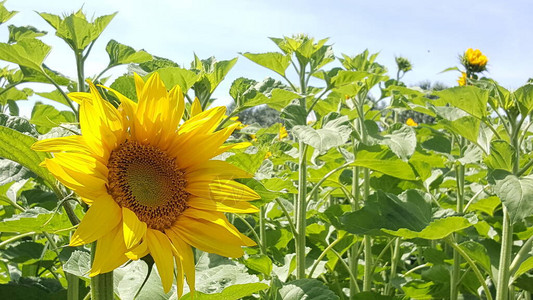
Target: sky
column 431, row 34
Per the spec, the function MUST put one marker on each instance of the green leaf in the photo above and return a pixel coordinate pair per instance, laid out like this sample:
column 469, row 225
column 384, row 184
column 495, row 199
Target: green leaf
column 125, row 84
column 294, row 115
column 477, row 253
column 515, row 193
column 173, row 76
column 17, row 147
column 334, row 133
column 401, row 139
column 392, row 167
column 467, row 126
column 232, row 292
column 436, row 230
column 524, row 97
column 502, row 156
column 373, row 296
column 75, row 30
column 524, row 267
column 19, row 124
column 5, row 14
column 54, row 95
column 410, row 210
column 17, row 33
column 471, row 99
column 260, row 263
column 26, row 53
column 347, row 77
column 306, row 289
column 79, row 263
column 14, row 94
column 486, row 205
column 120, row 54
column 220, row 70
column 38, row 219
column 274, row 61
column 46, row 116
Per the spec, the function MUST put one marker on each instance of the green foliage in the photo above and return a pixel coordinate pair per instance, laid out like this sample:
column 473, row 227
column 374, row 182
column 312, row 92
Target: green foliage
column 373, row 207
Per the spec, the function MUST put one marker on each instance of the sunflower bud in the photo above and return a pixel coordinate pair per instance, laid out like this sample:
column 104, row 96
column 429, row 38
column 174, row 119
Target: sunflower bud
column 474, row 61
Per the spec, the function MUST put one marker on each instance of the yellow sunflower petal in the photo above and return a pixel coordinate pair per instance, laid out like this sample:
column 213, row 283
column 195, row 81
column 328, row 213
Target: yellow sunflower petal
column 203, row 122
column 80, row 97
column 73, row 143
column 103, row 216
column 196, row 107
column 238, row 207
column 187, row 256
column 82, row 163
column 139, row 85
column 209, row 236
column 160, row 248
column 134, row 229
column 109, row 252
column 87, row 186
column 215, row 169
column 222, row 190
column 138, row 251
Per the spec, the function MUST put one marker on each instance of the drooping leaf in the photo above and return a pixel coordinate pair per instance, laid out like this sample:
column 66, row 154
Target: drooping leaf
column 79, row 263
column 294, row 115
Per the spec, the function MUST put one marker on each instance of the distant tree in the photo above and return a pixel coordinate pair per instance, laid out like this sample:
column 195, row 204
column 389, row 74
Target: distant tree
column 262, row 115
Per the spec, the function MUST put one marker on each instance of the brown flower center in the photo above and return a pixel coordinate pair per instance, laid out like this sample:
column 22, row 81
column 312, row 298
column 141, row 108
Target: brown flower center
column 148, row 182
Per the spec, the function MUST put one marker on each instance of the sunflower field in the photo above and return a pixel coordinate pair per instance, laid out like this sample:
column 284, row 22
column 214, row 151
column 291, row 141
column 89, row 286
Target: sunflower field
column 141, row 186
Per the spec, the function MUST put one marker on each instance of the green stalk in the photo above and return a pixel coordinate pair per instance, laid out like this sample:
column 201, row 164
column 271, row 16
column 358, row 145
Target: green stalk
column 394, row 266
column 101, row 284
column 456, row 271
column 81, row 72
column 472, row 264
column 354, row 250
column 502, row 285
column 301, row 205
column 262, row 229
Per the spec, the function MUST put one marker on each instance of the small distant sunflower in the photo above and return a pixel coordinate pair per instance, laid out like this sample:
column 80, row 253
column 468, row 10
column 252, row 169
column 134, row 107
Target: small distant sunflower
column 462, row 80
column 411, row 122
column 150, row 182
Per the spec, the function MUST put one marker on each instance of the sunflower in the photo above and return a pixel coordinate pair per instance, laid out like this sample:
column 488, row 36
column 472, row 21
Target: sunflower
column 150, row 182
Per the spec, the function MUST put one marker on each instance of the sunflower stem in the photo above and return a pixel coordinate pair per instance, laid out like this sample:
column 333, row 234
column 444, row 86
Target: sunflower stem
column 301, row 212
column 262, row 229
column 101, row 284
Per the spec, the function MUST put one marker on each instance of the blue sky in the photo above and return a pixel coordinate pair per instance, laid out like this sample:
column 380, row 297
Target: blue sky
column 431, row 34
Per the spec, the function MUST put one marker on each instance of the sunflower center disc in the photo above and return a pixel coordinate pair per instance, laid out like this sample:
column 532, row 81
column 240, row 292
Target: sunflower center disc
column 147, row 181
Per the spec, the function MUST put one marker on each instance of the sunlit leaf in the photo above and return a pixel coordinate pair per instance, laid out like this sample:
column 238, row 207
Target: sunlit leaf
column 516, row 194
column 120, row 54
column 27, row 53
column 274, row 61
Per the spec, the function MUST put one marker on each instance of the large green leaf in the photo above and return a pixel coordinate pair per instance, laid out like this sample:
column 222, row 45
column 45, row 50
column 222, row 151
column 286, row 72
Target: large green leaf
column 400, row 138
column 306, row 289
column 516, row 194
column 28, row 53
column 17, row 147
column 76, row 30
column 173, row 76
column 471, row 99
column 274, row 61
column 410, row 210
column 477, row 253
column 120, row 54
column 334, row 133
